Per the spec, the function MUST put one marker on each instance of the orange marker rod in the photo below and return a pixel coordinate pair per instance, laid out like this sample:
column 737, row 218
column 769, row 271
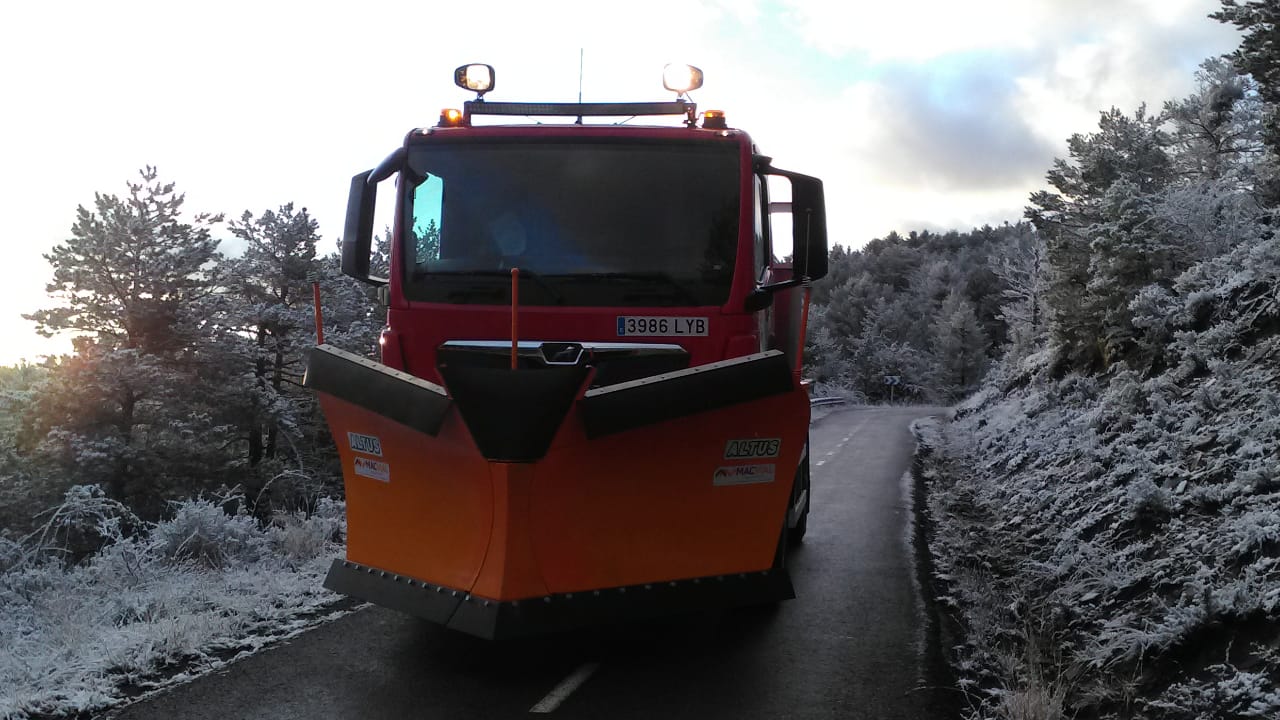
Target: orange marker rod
column 515, row 314
column 804, row 328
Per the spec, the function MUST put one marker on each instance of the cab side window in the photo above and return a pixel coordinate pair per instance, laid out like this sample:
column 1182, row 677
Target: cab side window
column 762, row 256
column 428, row 202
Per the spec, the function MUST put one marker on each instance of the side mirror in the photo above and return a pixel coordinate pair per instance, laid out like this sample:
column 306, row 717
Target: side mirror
column 357, row 238
column 809, row 226
column 808, row 234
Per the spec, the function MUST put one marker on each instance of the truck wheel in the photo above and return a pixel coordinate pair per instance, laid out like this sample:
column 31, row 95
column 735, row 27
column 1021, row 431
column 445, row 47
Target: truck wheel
column 796, row 534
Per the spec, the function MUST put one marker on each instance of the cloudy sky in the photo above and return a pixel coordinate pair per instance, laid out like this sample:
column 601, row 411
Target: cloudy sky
column 917, row 114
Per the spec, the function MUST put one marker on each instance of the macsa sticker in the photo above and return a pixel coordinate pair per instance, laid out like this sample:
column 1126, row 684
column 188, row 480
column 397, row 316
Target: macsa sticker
column 744, row 474
column 367, row 444
column 629, row 325
column 752, row 448
column 375, row 469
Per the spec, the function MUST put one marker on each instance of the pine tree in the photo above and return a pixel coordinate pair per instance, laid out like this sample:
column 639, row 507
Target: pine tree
column 959, row 346
column 1217, row 130
column 1132, row 149
column 1259, row 56
column 271, row 314
column 128, row 269
column 119, row 412
column 1022, row 268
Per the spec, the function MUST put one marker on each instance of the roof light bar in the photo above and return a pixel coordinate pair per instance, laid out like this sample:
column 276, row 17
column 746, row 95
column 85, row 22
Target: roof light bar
column 679, row 107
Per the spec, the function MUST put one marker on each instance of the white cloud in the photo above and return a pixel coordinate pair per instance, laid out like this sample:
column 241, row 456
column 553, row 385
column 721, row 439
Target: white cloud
column 918, row 30
column 248, row 105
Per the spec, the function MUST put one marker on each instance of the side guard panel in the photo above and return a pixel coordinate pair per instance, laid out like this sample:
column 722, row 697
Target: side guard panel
column 385, row 391
column 669, row 500
column 617, row 408
column 424, row 506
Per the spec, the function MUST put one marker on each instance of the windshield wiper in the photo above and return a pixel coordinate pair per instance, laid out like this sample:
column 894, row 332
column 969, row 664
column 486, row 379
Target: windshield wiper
column 531, row 275
column 662, row 278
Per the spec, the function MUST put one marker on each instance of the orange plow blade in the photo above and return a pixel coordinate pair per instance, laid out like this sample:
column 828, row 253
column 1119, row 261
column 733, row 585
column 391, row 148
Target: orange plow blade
column 517, row 502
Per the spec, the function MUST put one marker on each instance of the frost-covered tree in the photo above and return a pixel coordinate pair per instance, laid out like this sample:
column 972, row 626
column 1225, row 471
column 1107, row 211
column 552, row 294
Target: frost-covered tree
column 1259, row 57
column 1125, row 148
column 826, row 357
column 121, row 412
column 1130, row 250
column 128, row 421
column 1217, row 130
column 959, row 346
column 269, row 319
column 1022, row 268
column 877, row 353
column 129, row 267
column 877, row 306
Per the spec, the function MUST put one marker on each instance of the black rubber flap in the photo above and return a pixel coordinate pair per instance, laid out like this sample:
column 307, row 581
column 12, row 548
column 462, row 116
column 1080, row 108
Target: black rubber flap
column 391, row 393
column 432, row 602
column 513, row 414
column 557, row 613
column 617, row 408
column 495, row 620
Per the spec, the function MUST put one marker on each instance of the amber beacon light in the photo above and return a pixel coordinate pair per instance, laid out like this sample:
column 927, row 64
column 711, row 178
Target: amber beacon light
column 451, row 117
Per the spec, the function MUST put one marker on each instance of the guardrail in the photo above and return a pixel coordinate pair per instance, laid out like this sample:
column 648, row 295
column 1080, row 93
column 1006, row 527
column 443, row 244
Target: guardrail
column 819, row 402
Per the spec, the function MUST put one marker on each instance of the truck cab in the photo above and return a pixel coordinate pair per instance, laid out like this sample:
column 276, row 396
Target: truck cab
column 648, row 248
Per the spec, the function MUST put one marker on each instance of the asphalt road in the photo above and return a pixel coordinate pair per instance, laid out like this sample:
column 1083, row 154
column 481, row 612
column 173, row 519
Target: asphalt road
column 852, row 645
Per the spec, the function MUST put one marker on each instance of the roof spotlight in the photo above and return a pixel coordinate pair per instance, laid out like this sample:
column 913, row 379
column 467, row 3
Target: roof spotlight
column 476, row 76
column 681, row 78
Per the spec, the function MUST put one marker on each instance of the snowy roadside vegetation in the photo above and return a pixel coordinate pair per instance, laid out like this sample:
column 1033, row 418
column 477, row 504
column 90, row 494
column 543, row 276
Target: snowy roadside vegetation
column 1111, row 545
column 1105, row 509
column 100, row 606
column 125, row 563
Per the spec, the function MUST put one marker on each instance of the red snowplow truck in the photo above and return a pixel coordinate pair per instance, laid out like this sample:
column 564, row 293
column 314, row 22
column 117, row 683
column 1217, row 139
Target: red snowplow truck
column 589, row 404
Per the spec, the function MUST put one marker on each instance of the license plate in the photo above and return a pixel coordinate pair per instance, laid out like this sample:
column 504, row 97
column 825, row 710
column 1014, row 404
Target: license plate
column 630, row 325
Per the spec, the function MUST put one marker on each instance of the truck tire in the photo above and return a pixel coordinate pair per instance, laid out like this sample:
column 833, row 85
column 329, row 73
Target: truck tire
column 802, row 488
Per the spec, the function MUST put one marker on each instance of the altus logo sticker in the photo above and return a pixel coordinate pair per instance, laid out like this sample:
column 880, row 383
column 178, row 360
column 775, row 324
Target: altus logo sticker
column 367, row 444
column 752, row 448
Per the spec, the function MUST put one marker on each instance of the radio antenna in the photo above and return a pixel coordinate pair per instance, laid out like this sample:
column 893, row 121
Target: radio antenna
column 580, row 53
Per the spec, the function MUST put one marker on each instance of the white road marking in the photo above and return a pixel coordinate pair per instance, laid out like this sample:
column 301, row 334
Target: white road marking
column 566, row 687
column 820, row 462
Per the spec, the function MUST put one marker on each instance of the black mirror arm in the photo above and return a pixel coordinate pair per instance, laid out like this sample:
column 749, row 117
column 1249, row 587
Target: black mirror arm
column 762, row 296
column 389, row 166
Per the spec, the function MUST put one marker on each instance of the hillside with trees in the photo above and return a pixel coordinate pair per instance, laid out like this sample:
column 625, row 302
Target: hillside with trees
column 1104, row 512
column 930, row 310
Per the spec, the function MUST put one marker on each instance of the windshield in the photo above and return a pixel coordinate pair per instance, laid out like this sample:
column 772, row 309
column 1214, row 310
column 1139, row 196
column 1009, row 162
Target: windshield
column 625, row 223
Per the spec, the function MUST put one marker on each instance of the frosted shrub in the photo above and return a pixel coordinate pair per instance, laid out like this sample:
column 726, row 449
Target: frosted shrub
column 10, row 553
column 299, row 536
column 202, row 531
column 85, row 521
column 1149, row 504
column 80, row 637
